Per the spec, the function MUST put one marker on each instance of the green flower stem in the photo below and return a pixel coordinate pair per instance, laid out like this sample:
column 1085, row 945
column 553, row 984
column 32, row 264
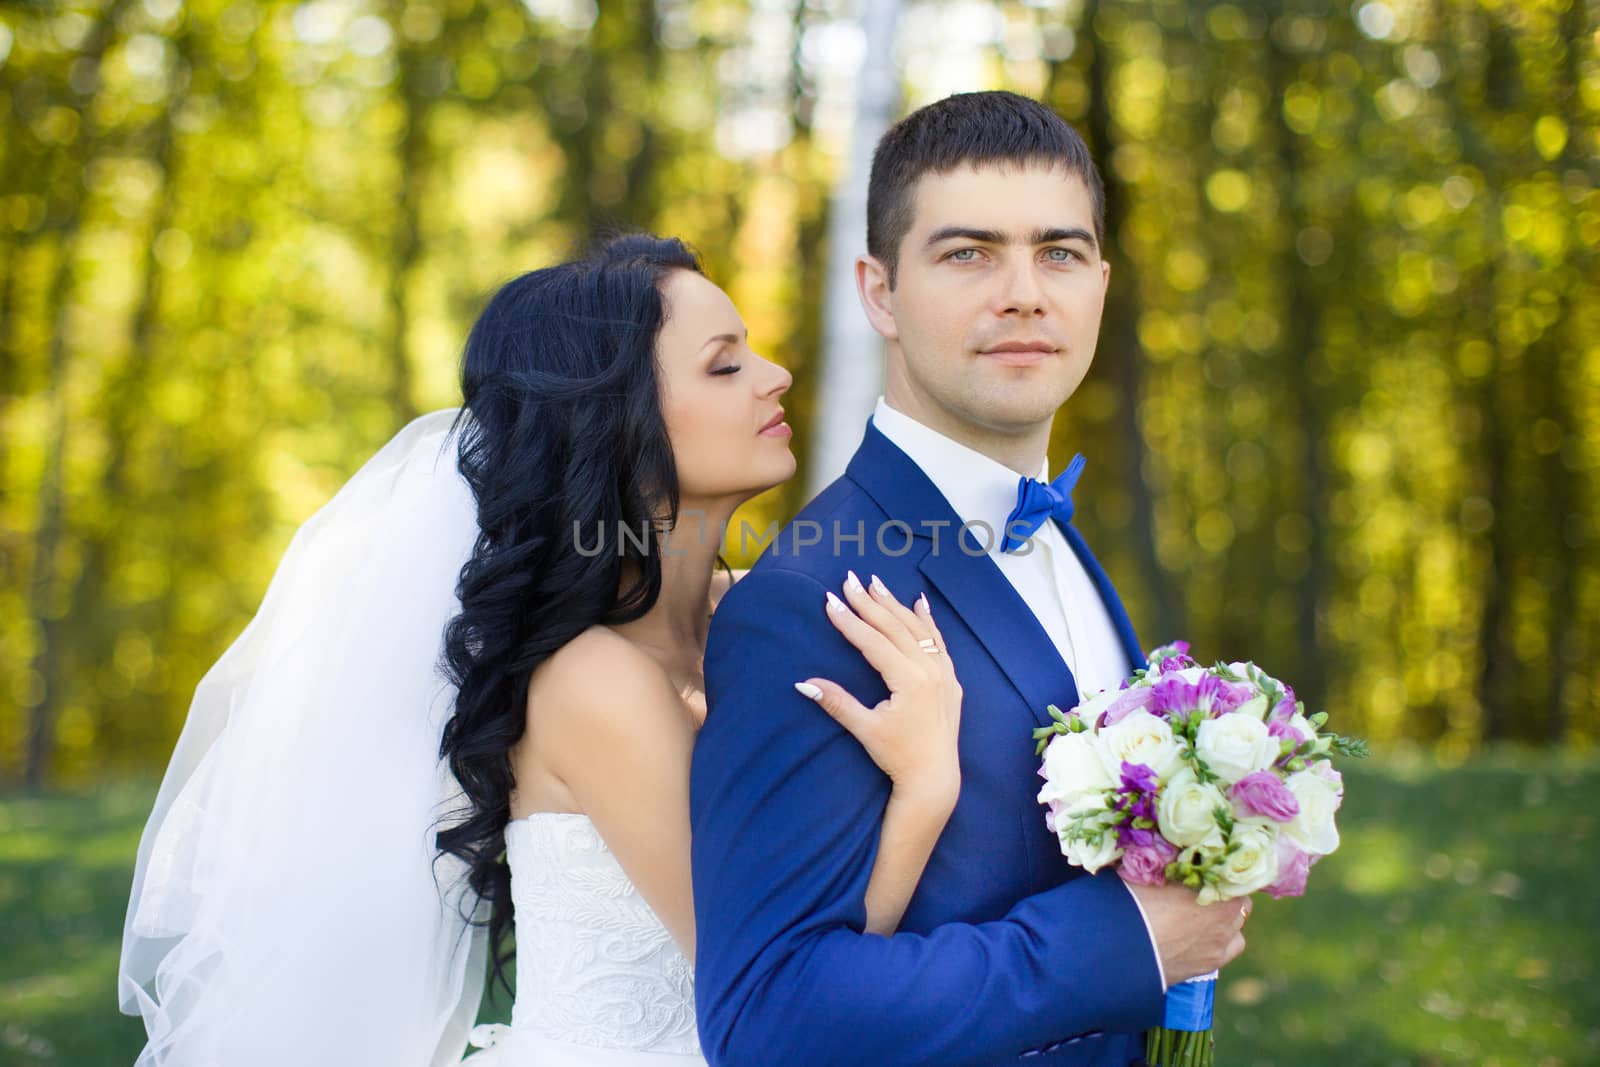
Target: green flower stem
column 1179, row 1048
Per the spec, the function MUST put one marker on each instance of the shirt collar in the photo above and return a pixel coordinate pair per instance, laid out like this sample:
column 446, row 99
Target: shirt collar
column 978, row 489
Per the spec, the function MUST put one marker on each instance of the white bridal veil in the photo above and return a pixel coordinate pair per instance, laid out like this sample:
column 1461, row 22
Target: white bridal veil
column 287, row 905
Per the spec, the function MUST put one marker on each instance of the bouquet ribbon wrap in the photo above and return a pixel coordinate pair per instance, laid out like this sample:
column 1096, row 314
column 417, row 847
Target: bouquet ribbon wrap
column 1189, row 1004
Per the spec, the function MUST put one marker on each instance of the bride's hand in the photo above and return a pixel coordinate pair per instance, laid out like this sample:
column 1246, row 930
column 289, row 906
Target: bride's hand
column 912, row 735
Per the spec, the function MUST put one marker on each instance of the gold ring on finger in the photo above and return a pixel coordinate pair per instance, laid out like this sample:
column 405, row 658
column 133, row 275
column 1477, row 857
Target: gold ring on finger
column 930, row 646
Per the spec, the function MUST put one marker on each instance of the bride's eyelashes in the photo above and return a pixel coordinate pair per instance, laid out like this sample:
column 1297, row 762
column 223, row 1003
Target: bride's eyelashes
column 731, row 369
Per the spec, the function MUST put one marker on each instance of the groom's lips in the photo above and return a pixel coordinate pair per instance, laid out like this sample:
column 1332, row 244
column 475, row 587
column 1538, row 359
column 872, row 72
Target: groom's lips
column 1018, row 353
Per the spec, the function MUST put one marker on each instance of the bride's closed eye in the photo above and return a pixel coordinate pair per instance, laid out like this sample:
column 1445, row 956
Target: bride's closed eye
column 731, row 369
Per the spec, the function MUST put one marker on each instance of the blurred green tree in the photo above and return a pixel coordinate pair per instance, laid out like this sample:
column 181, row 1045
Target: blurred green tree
column 1342, row 420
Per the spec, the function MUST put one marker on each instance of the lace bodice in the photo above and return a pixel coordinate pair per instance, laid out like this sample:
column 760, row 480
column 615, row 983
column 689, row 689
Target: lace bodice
column 594, row 964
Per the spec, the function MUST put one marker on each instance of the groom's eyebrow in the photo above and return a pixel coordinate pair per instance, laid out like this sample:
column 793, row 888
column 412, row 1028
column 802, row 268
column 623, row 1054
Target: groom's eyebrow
column 1070, row 233
column 966, row 233
column 1043, row 236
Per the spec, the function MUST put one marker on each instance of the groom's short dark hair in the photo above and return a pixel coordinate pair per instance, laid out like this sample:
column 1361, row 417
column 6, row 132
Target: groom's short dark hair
column 968, row 129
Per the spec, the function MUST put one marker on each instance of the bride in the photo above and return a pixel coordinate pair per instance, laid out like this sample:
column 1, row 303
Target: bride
column 523, row 588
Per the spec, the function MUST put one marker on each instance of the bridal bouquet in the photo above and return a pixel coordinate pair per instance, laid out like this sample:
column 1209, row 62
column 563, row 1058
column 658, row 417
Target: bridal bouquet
column 1210, row 777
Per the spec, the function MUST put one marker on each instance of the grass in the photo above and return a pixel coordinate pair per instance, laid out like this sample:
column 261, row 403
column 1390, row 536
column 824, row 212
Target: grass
column 1457, row 925
column 66, row 864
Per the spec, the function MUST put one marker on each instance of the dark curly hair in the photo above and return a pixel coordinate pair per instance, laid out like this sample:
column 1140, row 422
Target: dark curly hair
column 561, row 431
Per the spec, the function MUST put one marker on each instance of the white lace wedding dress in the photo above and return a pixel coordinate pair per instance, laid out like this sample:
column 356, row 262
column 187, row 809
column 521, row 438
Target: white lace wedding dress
column 600, row 983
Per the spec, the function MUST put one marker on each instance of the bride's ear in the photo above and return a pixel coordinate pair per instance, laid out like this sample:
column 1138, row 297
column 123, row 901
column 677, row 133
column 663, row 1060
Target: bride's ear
column 872, row 285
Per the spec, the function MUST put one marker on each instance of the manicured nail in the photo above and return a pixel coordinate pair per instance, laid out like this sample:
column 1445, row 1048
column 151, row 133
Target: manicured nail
column 807, row 690
column 878, row 588
column 835, row 604
column 922, row 604
column 852, row 583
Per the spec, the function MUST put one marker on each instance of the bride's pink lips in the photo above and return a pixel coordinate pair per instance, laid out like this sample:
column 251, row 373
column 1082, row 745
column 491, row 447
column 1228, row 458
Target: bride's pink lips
column 1018, row 353
column 776, row 427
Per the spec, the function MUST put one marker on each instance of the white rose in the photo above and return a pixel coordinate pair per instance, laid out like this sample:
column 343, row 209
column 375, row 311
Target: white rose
column 1092, row 855
column 1235, row 745
column 1253, row 864
column 1073, row 767
column 1082, row 804
column 1313, row 828
column 1140, row 738
column 1186, row 811
column 1256, row 707
column 1091, row 708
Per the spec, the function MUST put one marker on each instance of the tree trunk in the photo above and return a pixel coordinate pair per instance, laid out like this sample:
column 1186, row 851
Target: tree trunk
column 10, row 370
column 1302, row 352
column 44, row 594
column 405, row 241
column 803, row 343
column 852, row 362
column 1565, row 346
column 1120, row 344
column 1496, row 677
column 126, row 397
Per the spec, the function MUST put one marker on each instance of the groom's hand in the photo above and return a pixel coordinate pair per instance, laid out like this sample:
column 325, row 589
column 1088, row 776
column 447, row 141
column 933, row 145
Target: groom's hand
column 1192, row 938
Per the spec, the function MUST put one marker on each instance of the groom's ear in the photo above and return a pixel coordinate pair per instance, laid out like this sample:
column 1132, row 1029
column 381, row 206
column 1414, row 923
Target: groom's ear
column 872, row 285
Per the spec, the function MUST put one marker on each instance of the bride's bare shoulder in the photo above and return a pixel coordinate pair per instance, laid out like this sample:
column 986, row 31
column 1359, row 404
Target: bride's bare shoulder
column 595, row 685
column 598, row 703
column 594, row 670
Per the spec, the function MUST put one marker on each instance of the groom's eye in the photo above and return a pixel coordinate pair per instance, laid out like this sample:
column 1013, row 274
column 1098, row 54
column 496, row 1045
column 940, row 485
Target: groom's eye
column 963, row 255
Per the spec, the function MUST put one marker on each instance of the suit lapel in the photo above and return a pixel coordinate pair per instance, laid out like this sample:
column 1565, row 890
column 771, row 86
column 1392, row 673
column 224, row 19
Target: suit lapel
column 981, row 596
column 1001, row 620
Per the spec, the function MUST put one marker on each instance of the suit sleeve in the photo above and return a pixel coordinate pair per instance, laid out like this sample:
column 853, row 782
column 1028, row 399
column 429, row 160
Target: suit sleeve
column 786, row 809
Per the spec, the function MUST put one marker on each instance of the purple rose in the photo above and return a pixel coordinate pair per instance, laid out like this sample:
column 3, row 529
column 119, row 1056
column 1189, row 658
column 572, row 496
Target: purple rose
column 1137, row 800
column 1137, row 778
column 1178, row 659
column 1217, row 696
column 1147, row 864
column 1127, row 701
column 1263, row 793
column 1293, row 868
column 1130, row 838
column 1281, row 729
column 1173, row 695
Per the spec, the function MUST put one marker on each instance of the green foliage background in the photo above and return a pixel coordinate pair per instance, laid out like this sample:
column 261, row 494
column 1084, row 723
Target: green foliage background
column 1343, row 417
column 1341, row 420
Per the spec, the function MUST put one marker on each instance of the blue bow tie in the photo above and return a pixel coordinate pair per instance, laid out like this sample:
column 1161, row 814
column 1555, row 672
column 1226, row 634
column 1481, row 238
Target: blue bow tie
column 1037, row 501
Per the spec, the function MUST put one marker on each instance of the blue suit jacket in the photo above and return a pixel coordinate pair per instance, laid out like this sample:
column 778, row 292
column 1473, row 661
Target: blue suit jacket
column 1005, row 951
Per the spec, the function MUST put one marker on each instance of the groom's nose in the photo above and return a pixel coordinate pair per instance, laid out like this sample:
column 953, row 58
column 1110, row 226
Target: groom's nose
column 1020, row 293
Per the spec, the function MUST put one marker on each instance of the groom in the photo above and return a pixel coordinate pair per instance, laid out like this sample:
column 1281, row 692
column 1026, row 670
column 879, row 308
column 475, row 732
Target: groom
column 985, row 277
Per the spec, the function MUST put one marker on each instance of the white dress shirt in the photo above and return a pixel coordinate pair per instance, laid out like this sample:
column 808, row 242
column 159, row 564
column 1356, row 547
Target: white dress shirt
column 1050, row 579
